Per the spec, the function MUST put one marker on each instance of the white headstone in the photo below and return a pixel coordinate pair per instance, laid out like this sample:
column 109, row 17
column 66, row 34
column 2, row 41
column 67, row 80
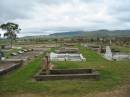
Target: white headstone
column 108, row 53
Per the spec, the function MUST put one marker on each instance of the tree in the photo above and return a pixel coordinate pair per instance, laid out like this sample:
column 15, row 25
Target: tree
column 11, row 31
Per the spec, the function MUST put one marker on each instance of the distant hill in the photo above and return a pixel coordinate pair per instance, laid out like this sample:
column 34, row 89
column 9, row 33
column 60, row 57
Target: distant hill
column 70, row 33
column 97, row 33
column 88, row 34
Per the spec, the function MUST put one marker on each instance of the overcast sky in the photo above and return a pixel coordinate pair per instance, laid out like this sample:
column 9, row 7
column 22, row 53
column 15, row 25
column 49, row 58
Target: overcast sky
column 49, row 16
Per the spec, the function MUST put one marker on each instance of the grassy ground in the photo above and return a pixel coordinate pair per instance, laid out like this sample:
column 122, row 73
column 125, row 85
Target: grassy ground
column 113, row 75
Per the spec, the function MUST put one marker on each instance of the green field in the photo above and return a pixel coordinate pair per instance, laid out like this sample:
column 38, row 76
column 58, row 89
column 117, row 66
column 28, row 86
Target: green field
column 114, row 74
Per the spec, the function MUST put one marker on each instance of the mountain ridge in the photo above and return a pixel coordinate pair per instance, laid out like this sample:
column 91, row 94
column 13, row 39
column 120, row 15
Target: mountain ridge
column 96, row 33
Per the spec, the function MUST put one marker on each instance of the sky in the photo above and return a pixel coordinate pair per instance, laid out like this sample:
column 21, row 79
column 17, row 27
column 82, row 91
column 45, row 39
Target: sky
column 36, row 17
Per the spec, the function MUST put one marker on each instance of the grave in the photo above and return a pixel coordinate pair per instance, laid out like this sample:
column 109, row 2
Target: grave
column 14, row 54
column 117, row 55
column 24, row 50
column 67, row 54
column 121, row 56
column 69, row 44
column 6, row 47
column 64, row 74
column 67, row 50
column 20, row 52
column 9, row 65
column 97, row 48
column 69, row 74
column 66, row 57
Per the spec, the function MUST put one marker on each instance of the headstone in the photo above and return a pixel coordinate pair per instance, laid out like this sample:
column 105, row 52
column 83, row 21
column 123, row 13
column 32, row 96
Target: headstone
column 108, row 53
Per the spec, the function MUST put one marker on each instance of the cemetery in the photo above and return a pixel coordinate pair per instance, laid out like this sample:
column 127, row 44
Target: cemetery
column 93, row 73
column 64, row 48
column 63, row 67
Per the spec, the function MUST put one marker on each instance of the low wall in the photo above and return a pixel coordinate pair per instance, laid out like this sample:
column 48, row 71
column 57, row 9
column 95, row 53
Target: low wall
column 69, row 74
column 69, row 71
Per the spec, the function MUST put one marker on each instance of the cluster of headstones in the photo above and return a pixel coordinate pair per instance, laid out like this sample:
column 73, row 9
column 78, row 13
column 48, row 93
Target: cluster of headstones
column 21, row 52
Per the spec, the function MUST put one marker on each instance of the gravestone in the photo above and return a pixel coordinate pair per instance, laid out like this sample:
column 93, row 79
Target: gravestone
column 108, row 53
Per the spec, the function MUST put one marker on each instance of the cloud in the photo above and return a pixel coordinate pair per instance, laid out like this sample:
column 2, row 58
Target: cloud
column 15, row 9
column 45, row 15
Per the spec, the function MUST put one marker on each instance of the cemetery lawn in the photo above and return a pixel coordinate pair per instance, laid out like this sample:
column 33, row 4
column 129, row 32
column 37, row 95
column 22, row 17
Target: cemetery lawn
column 113, row 76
